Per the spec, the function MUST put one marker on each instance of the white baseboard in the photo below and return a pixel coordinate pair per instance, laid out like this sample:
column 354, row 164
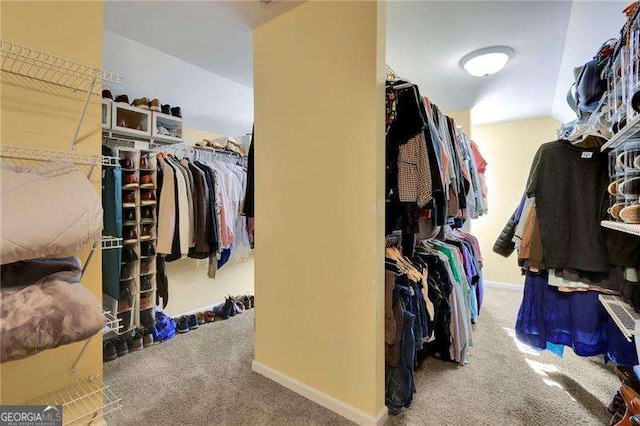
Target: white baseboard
column 350, row 412
column 507, row 286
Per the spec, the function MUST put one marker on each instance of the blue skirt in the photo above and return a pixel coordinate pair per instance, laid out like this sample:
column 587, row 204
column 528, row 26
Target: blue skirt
column 577, row 320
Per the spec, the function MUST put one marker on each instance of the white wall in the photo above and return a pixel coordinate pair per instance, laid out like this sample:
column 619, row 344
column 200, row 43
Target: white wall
column 208, row 101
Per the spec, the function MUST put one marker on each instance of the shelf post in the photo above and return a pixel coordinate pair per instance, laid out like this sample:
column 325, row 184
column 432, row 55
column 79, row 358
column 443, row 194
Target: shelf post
column 84, row 112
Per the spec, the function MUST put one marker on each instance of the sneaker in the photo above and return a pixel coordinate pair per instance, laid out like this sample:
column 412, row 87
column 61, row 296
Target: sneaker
column 200, row 317
column 147, row 338
column 121, row 347
column 109, row 352
column 193, row 322
column 183, row 325
column 166, row 109
column 209, row 316
column 135, row 340
column 154, row 105
column 142, row 103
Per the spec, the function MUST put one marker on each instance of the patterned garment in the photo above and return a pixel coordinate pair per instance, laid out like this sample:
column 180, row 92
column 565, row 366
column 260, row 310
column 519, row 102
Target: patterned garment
column 414, row 172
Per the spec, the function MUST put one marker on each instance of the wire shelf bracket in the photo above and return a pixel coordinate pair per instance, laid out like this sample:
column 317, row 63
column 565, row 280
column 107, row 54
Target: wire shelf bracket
column 82, row 402
column 51, row 69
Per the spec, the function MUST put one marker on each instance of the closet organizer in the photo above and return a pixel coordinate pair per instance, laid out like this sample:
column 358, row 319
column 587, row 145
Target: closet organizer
column 433, row 281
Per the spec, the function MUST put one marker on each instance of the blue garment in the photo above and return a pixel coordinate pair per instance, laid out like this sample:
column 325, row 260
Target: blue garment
column 520, row 208
column 577, row 320
column 164, row 327
column 400, row 385
column 224, row 257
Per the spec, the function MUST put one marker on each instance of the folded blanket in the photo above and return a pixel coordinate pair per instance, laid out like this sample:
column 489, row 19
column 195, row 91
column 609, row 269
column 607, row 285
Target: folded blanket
column 46, row 210
column 27, row 272
column 46, row 315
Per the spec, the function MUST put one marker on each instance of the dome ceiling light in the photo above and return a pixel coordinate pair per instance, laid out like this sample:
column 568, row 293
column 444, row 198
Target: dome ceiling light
column 487, row 61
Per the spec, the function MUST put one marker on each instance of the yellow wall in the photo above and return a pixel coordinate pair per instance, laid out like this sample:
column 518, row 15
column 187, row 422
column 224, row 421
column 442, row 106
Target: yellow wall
column 319, row 111
column 462, row 118
column 509, row 148
column 191, row 135
column 37, row 115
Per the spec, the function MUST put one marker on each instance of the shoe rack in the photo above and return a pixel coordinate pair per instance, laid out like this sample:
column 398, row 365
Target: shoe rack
column 139, row 234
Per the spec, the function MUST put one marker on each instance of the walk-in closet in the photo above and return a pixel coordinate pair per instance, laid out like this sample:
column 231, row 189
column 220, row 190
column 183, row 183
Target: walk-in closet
column 440, row 223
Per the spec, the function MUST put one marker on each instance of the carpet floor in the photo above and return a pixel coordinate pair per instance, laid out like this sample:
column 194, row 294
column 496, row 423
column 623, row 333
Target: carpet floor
column 204, row 377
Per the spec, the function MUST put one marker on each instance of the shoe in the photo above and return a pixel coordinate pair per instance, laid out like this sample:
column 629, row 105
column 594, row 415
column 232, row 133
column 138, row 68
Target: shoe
column 630, row 186
column 142, row 103
column 193, row 322
column 252, row 301
column 147, row 250
column 154, row 105
column 125, row 273
column 128, row 199
column 123, row 99
column 127, row 163
column 129, row 181
column 183, row 325
column 129, row 255
column 123, row 305
column 109, row 352
column 144, row 162
column 631, row 214
column 145, row 267
column 145, row 303
column 246, row 302
column 145, row 283
column 147, row 214
column 224, row 309
column 200, row 317
column 129, row 235
column 176, row 112
column 166, row 109
column 121, row 347
column 125, row 320
column 129, row 215
column 147, row 197
column 135, row 340
column 615, row 210
column 106, row 94
column 147, row 338
column 209, row 316
column 146, row 181
column 146, row 233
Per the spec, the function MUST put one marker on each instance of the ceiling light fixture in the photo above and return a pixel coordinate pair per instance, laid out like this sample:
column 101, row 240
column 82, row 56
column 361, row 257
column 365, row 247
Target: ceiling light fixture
column 486, row 61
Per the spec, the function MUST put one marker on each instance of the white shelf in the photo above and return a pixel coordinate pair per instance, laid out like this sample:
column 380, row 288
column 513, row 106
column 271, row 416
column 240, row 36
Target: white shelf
column 82, row 402
column 111, row 322
column 623, row 315
column 630, row 131
column 111, row 243
column 24, row 153
column 622, row 227
column 37, row 65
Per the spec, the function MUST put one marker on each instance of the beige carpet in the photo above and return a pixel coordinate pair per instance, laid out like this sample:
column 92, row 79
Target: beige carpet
column 205, row 377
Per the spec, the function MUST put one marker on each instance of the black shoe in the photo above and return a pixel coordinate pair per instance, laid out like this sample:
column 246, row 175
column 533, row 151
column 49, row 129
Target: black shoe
column 135, row 340
column 147, row 214
column 106, row 94
column 182, row 325
column 166, row 109
column 176, row 112
column 129, row 215
column 121, row 347
column 193, row 322
column 145, row 283
column 109, row 352
column 148, row 318
column 147, row 250
column 125, row 294
column 129, row 255
column 122, row 98
column 146, row 232
column 125, row 320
